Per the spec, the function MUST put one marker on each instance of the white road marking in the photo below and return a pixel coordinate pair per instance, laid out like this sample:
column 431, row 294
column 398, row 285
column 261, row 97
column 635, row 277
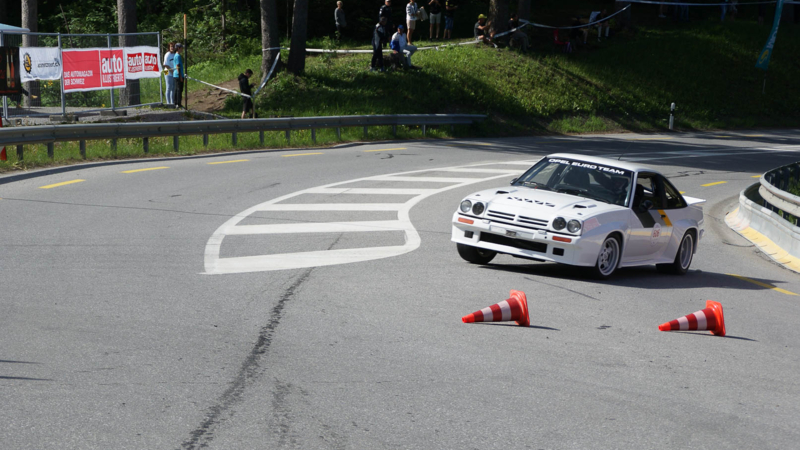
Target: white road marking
column 214, row 264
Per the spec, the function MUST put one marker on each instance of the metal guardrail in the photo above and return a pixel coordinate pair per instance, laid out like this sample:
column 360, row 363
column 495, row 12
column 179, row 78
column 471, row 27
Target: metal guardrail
column 49, row 134
column 774, row 188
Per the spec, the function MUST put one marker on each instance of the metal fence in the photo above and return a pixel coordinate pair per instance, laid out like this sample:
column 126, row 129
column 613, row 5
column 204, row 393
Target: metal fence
column 47, row 97
column 49, row 134
column 776, row 191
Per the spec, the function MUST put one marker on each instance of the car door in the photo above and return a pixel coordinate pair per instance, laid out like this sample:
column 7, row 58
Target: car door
column 650, row 226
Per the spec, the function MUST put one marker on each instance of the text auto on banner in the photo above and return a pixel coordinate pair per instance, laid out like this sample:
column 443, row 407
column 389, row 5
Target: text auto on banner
column 93, row 68
column 142, row 62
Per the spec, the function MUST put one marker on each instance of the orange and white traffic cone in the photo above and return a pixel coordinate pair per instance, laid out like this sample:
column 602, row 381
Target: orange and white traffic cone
column 710, row 319
column 515, row 308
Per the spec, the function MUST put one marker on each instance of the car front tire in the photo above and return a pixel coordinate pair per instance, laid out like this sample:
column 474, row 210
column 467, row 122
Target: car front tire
column 608, row 258
column 475, row 255
column 683, row 257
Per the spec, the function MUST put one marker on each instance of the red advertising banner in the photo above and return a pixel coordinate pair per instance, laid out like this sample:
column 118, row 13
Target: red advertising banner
column 93, row 68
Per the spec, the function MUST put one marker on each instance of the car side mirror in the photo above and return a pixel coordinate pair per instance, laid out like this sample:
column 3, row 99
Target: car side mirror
column 645, row 206
column 514, row 180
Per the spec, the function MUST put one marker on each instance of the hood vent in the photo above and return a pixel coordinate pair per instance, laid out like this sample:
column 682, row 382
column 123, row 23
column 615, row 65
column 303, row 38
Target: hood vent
column 583, row 206
column 500, row 192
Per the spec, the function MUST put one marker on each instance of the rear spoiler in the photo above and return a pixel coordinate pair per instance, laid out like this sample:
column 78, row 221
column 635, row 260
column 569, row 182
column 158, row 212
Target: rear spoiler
column 693, row 201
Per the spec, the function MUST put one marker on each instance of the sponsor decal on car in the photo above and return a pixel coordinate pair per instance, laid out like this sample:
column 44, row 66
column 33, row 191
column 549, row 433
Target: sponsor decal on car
column 589, row 166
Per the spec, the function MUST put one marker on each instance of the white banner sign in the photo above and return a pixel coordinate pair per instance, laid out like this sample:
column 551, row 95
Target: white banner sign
column 40, row 63
column 142, row 62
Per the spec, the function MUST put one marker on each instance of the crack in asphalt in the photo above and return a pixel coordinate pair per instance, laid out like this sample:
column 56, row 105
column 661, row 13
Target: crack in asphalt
column 562, row 287
column 248, row 372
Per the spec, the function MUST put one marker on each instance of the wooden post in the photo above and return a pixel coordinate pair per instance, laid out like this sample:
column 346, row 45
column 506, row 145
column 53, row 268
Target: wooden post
column 19, row 152
column 234, row 139
column 338, row 134
column 146, row 145
column 314, row 136
column 83, row 149
column 50, row 150
column 261, row 137
column 175, row 143
column 288, row 137
column 205, row 140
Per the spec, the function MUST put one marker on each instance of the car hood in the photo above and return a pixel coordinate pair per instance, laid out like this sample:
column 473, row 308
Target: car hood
column 540, row 204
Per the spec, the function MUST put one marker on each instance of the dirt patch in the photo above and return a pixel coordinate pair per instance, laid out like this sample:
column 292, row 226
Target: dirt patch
column 208, row 99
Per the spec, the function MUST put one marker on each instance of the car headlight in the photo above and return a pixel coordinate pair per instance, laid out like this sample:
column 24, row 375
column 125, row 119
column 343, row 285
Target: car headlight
column 465, row 206
column 574, row 226
column 559, row 223
column 478, row 208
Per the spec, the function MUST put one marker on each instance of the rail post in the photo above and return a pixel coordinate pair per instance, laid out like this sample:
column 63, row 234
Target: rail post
column 671, row 115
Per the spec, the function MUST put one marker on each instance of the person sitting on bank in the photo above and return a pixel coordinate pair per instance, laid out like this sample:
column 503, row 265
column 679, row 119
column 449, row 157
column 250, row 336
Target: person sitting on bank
column 481, row 30
column 518, row 35
column 402, row 48
column 246, row 88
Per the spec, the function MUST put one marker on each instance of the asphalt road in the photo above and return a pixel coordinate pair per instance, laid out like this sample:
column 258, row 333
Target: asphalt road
column 158, row 309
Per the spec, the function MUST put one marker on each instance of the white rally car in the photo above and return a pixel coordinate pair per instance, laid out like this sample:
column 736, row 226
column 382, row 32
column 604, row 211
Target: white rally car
column 583, row 211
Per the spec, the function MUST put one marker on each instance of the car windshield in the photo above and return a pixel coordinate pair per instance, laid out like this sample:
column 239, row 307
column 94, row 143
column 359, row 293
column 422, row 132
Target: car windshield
column 583, row 179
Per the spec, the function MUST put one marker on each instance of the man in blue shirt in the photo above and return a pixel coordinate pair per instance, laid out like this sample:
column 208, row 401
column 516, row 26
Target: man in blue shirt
column 178, row 73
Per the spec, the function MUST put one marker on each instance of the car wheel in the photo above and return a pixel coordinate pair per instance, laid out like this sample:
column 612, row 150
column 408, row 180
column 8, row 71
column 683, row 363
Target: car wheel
column 608, row 258
column 475, row 255
column 683, row 257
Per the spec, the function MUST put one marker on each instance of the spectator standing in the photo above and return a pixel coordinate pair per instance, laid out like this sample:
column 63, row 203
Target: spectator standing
column 168, row 57
column 518, row 35
column 402, row 48
column 435, row 16
column 178, row 74
column 246, row 88
column 450, row 7
column 380, row 36
column 341, row 23
column 386, row 11
column 594, row 17
column 412, row 14
column 481, row 30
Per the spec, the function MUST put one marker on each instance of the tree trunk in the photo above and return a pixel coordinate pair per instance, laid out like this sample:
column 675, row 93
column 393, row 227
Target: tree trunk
column 524, row 9
column 498, row 14
column 269, row 35
column 297, row 52
column 224, row 7
column 126, row 15
column 29, row 21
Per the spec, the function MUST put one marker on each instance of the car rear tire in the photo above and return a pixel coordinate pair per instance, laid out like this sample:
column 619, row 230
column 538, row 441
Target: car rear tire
column 683, row 257
column 475, row 255
column 608, row 258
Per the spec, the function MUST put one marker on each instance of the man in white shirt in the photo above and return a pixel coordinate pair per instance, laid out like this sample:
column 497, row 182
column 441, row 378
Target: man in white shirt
column 402, row 48
column 168, row 57
column 598, row 15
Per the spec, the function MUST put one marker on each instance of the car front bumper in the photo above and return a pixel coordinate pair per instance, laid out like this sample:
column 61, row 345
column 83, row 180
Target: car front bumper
column 523, row 242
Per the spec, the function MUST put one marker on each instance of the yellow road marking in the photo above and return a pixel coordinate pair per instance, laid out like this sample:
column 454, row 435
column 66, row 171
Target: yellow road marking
column 384, row 149
column 664, row 216
column 764, row 285
column 682, row 192
column 145, row 170
column 713, row 184
column 651, row 139
column 227, row 162
column 64, row 183
column 755, row 176
column 302, row 154
column 753, row 135
column 725, row 137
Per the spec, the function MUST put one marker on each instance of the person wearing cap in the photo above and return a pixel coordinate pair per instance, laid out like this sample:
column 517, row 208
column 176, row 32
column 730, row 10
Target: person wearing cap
column 450, row 8
column 402, row 48
column 481, row 30
column 168, row 57
column 178, row 73
column 412, row 14
column 386, row 11
column 379, row 37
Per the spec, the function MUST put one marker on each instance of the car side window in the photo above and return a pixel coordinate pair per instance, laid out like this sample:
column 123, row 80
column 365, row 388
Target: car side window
column 674, row 198
column 647, row 188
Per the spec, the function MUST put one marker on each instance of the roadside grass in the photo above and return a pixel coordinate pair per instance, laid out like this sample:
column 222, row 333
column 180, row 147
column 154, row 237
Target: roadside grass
column 625, row 83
